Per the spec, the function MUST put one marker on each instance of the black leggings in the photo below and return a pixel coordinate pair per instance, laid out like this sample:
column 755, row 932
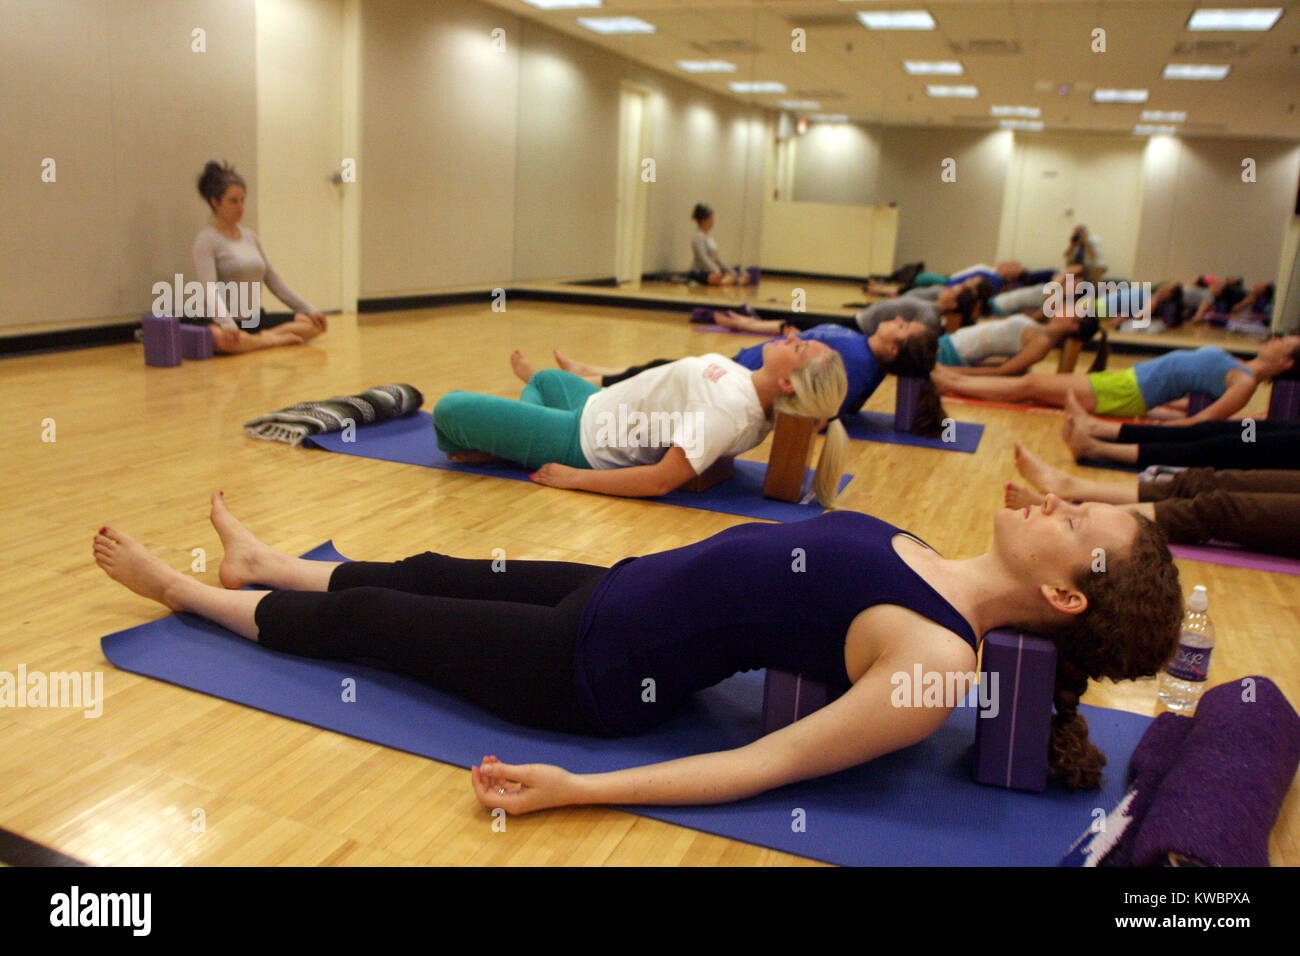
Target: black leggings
column 1216, row 444
column 503, row 640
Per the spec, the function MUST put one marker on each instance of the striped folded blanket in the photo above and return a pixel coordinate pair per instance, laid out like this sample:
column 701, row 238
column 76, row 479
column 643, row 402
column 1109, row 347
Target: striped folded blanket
column 296, row 422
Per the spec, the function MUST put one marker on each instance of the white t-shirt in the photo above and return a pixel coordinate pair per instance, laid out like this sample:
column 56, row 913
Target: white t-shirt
column 707, row 405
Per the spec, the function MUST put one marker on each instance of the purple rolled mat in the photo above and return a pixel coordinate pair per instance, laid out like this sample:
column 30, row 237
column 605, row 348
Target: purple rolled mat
column 1220, row 799
column 755, row 273
column 1110, row 842
column 162, row 340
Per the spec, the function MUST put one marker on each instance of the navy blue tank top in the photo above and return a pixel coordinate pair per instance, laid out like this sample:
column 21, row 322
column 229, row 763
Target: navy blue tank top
column 661, row 627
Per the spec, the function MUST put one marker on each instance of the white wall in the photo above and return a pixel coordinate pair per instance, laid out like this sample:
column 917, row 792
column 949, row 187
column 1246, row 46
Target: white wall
column 1198, row 216
column 113, row 93
column 300, row 141
column 1056, row 181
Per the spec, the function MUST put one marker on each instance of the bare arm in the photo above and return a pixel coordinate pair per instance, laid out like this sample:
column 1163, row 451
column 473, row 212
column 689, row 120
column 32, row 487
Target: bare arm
column 856, row 728
column 638, row 481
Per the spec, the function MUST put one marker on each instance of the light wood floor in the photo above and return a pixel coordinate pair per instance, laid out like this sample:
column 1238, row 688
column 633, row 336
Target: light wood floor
column 142, row 448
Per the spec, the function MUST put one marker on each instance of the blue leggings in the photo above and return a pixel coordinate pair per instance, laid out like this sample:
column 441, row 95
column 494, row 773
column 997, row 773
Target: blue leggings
column 543, row 426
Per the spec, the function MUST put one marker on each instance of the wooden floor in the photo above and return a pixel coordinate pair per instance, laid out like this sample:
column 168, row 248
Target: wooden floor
column 142, row 448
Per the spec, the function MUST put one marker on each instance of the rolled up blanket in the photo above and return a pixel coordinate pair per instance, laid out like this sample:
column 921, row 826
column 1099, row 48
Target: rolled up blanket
column 1109, row 842
column 1220, row 799
column 296, row 422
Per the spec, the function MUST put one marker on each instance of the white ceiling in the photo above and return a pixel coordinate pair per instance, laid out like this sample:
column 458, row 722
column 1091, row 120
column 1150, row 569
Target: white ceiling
column 1017, row 52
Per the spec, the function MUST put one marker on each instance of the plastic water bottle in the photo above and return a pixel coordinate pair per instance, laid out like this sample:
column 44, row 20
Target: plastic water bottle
column 1183, row 679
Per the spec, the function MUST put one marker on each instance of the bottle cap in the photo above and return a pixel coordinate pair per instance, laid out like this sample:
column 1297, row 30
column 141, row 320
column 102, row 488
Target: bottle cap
column 1200, row 600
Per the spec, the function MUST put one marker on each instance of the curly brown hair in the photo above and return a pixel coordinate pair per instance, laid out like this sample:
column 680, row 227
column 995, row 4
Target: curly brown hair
column 1130, row 629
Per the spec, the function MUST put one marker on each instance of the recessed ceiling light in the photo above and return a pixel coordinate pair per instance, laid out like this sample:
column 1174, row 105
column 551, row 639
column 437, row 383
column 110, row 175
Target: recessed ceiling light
column 706, row 66
column 1033, row 126
column 800, row 105
column 896, row 20
column 1030, row 112
column 1262, row 18
column 1103, row 95
column 933, row 68
column 1195, row 71
column 1164, row 116
column 829, row 118
column 608, row 25
column 965, row 92
column 762, row 86
column 562, row 4
column 1148, row 130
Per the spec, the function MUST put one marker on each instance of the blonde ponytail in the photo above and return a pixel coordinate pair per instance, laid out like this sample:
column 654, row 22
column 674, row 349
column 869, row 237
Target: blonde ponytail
column 819, row 391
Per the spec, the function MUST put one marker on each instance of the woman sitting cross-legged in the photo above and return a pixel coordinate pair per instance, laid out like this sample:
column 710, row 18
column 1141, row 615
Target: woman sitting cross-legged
column 1157, row 388
column 653, row 433
column 567, row 647
column 1259, row 510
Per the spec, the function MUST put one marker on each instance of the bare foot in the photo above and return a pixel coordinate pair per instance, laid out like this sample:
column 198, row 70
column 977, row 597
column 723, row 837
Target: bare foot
column 1017, row 497
column 134, row 566
column 1043, row 476
column 244, row 554
column 285, row 338
column 1079, row 418
column 1082, row 445
column 582, row 369
column 522, row 367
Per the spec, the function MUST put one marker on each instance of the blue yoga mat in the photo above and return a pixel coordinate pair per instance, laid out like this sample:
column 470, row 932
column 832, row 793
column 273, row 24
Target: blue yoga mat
column 879, row 426
column 915, row 807
column 410, row 441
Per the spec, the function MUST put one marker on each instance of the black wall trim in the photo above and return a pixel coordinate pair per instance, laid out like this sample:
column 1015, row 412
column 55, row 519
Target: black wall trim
column 63, row 339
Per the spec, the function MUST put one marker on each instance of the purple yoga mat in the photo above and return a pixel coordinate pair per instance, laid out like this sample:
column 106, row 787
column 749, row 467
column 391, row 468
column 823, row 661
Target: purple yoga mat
column 879, row 426
column 1236, row 557
column 410, row 441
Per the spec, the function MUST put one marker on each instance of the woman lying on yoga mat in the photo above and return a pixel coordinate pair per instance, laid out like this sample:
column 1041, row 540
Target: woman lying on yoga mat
column 897, row 347
column 1236, row 443
column 707, row 266
column 1259, row 510
column 954, row 308
column 1020, row 340
column 653, row 433
column 578, row 649
column 1143, row 390
column 224, row 252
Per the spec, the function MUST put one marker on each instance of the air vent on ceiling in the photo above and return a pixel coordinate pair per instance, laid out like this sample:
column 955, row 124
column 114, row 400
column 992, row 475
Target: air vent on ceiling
column 1225, row 48
column 991, row 47
column 734, row 47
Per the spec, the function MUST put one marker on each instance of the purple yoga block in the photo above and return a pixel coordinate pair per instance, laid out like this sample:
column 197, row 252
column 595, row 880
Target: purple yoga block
column 196, row 341
column 754, row 275
column 907, row 403
column 789, row 697
column 162, row 340
column 1198, row 402
column 1011, row 744
column 1284, row 403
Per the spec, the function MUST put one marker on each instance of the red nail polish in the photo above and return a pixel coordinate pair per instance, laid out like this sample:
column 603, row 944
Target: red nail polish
column 104, row 530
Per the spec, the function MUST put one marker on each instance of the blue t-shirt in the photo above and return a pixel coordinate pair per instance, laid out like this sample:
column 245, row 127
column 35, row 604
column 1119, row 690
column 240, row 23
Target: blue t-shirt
column 863, row 371
column 691, row 617
column 1181, row 372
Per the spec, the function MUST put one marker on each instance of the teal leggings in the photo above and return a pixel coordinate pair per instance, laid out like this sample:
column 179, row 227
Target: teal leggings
column 543, row 426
